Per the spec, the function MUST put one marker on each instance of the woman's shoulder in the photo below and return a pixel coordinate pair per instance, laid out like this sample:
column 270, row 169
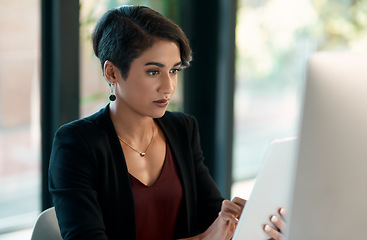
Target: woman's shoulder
column 94, row 124
column 179, row 123
column 178, row 118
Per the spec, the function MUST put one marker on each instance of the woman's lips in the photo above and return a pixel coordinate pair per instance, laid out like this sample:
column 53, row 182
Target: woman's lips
column 161, row 102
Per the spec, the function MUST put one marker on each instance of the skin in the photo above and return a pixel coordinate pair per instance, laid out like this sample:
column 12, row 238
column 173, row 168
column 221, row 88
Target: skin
column 142, row 96
column 152, row 77
column 279, row 223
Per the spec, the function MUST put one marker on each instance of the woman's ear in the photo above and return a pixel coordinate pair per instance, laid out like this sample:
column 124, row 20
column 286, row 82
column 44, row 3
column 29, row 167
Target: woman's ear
column 110, row 72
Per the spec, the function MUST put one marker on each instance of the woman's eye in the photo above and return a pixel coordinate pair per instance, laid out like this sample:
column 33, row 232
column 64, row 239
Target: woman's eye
column 152, row 73
column 175, row 70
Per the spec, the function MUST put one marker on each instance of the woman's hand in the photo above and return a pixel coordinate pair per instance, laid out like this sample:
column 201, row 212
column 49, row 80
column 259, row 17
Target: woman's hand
column 224, row 226
column 276, row 233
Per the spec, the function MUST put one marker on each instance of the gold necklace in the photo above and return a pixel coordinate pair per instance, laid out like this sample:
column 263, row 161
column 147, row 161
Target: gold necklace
column 142, row 154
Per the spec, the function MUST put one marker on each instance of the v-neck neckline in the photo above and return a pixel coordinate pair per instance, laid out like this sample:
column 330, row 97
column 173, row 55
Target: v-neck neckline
column 155, row 183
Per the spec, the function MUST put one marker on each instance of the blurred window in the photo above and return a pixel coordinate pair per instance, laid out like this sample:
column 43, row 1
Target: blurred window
column 19, row 114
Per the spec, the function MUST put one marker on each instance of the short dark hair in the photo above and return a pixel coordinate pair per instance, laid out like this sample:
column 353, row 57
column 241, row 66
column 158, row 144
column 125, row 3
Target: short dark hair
column 124, row 33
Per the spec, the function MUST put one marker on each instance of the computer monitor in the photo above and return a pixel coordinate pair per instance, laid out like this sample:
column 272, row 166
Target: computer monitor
column 330, row 183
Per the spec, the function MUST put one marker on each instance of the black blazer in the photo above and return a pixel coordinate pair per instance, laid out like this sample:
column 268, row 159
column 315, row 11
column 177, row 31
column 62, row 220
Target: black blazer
column 90, row 184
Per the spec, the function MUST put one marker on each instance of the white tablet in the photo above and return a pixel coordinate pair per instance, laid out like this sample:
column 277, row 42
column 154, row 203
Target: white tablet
column 272, row 190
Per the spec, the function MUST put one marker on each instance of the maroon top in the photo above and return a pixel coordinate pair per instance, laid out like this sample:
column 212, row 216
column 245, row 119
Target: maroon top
column 156, row 207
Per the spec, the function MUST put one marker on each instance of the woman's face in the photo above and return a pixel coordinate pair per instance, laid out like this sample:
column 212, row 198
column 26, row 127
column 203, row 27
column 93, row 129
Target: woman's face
column 151, row 80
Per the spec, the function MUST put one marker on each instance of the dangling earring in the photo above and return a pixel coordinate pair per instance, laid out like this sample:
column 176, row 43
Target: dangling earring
column 112, row 96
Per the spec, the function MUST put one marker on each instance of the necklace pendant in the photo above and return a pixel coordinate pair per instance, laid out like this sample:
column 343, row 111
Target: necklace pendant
column 142, row 154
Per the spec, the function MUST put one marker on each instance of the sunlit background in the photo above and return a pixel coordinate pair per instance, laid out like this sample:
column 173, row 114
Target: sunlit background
column 273, row 40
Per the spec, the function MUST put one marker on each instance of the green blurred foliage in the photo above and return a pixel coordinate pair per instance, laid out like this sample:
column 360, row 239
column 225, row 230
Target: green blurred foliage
column 275, row 37
column 342, row 24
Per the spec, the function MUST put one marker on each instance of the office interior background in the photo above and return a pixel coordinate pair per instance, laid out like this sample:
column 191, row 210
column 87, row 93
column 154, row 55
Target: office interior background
column 244, row 85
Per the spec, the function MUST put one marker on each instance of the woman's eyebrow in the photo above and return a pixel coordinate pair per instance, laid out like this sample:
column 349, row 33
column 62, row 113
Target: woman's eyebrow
column 177, row 64
column 160, row 64
column 155, row 64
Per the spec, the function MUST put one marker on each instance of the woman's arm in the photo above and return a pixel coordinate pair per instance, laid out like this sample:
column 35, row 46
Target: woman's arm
column 209, row 199
column 71, row 184
column 217, row 217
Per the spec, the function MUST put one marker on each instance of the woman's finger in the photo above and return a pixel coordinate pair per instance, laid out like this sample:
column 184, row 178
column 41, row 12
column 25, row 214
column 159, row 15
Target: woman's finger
column 231, row 207
column 273, row 233
column 278, row 222
column 239, row 201
column 228, row 217
column 283, row 212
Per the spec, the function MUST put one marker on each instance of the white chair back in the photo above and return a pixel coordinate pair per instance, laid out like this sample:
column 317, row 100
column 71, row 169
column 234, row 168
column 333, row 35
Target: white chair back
column 46, row 226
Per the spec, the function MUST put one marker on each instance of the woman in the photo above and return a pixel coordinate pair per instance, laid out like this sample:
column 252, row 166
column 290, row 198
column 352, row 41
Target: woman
column 133, row 170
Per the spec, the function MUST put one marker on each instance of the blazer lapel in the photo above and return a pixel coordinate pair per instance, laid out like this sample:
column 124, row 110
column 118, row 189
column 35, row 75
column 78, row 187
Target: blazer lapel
column 126, row 198
column 175, row 135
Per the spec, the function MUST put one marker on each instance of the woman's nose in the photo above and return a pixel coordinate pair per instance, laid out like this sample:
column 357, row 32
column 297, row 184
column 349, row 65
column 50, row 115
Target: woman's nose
column 167, row 85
